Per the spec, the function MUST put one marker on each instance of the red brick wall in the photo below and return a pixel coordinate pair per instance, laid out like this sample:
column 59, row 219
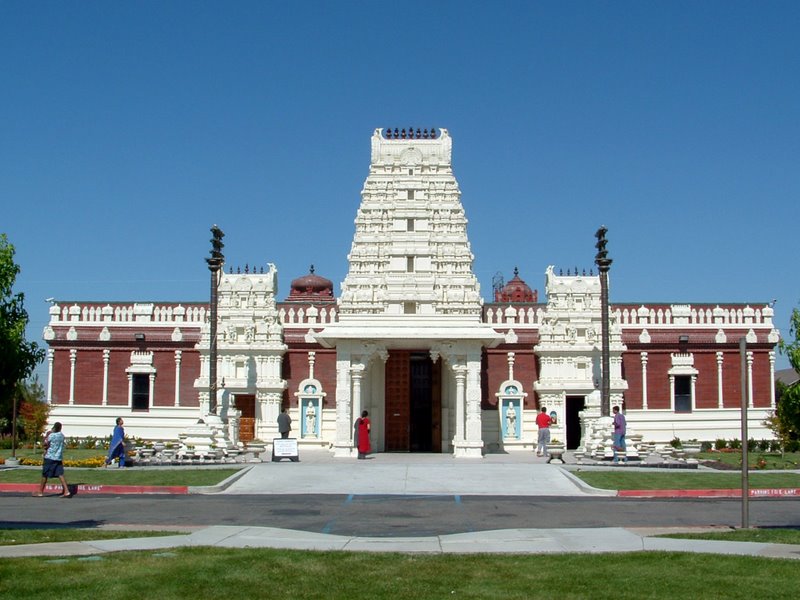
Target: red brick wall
column 89, row 377
column 164, row 384
column 495, row 372
column 118, row 378
column 658, row 390
column 705, row 390
column 60, row 387
column 190, row 370
column 632, row 373
column 295, row 370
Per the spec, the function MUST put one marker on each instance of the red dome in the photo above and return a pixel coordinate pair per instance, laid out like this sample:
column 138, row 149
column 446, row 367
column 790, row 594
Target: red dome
column 516, row 290
column 311, row 287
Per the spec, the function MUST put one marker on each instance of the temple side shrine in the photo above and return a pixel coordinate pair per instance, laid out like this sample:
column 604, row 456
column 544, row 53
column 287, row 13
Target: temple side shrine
column 411, row 340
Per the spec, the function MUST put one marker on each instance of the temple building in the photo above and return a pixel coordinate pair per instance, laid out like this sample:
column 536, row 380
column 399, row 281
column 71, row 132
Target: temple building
column 411, row 340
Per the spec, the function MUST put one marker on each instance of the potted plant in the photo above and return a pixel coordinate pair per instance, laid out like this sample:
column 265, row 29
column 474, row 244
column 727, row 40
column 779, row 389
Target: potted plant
column 555, row 450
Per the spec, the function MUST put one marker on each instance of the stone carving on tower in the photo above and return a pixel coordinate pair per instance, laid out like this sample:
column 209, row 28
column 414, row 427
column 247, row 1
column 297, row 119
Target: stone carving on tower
column 250, row 344
column 570, row 343
column 410, row 253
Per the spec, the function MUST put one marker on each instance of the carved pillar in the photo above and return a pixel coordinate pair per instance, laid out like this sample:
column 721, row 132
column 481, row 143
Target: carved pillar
column 357, row 374
column 343, row 446
column 672, row 392
column 460, row 372
column 694, row 385
column 720, row 402
column 152, row 388
column 473, row 397
column 644, row 380
column 750, row 359
column 106, row 356
column 178, row 355
column 73, row 357
column 51, row 354
column 130, row 389
column 772, row 379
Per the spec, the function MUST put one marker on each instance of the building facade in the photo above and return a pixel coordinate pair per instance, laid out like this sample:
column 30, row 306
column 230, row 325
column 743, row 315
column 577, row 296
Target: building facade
column 410, row 340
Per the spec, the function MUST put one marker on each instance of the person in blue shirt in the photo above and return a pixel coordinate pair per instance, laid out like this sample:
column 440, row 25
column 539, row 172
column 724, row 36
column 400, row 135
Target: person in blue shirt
column 117, row 447
column 53, row 465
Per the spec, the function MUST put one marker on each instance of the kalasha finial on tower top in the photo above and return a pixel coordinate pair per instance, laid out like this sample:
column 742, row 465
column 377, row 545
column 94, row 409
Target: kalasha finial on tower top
column 410, row 133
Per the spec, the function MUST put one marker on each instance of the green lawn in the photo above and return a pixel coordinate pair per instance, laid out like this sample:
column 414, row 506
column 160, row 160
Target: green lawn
column 72, row 454
column 684, row 480
column 15, row 537
column 267, row 573
column 767, row 536
column 189, row 476
column 755, row 459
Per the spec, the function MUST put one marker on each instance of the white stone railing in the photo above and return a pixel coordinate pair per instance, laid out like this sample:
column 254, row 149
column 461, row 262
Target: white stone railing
column 500, row 314
column 307, row 314
column 127, row 313
column 686, row 314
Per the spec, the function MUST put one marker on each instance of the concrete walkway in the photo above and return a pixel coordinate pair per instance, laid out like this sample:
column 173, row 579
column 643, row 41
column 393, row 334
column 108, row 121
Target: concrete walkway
column 507, row 541
column 318, row 472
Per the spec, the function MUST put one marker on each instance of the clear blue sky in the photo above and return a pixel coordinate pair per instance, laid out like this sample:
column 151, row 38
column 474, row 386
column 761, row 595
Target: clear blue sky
column 127, row 129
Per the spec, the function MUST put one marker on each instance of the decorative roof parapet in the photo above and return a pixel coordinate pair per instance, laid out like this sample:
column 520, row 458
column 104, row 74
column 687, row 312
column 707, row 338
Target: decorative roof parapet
column 411, row 134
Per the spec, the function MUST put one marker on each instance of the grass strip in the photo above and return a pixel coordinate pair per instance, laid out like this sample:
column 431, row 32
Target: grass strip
column 259, row 573
column 686, row 480
column 129, row 476
column 765, row 535
column 15, row 537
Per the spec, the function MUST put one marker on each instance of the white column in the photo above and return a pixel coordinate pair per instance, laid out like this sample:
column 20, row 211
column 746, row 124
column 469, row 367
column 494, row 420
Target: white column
column 343, row 446
column 644, row 380
column 106, row 356
column 51, row 354
column 357, row 374
column 73, row 356
column 178, row 355
column 130, row 389
column 694, row 399
column 473, row 398
column 460, row 372
column 152, row 389
column 749, row 381
column 772, row 379
column 720, row 403
column 672, row 392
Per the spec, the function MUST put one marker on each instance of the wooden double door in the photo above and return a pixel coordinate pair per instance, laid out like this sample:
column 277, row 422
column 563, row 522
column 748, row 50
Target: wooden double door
column 413, row 402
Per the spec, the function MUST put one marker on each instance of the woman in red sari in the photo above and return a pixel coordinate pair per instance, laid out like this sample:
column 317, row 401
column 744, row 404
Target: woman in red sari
column 363, row 427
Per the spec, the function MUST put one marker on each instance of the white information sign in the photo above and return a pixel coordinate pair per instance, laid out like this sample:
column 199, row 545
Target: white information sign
column 285, row 448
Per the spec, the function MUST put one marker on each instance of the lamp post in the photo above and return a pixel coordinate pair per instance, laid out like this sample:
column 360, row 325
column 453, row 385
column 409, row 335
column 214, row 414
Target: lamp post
column 603, row 265
column 215, row 262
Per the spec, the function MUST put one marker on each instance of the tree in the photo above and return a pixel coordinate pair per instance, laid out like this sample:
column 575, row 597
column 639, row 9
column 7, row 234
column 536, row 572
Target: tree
column 788, row 409
column 18, row 357
column 33, row 409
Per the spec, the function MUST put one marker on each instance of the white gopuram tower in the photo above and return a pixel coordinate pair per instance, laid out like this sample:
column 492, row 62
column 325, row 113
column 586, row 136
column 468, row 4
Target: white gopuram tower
column 410, row 288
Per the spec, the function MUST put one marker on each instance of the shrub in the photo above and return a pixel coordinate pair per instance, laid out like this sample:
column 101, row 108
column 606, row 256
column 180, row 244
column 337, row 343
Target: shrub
column 775, row 446
column 751, row 445
column 720, row 444
column 705, row 446
column 793, row 445
column 735, row 444
column 763, row 445
column 675, row 442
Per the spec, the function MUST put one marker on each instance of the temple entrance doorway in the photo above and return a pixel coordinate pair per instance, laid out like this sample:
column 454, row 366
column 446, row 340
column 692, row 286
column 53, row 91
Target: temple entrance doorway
column 247, row 422
column 575, row 404
column 413, row 402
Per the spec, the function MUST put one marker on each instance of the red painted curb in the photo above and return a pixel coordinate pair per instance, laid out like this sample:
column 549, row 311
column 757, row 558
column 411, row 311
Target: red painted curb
column 96, row 489
column 754, row 493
